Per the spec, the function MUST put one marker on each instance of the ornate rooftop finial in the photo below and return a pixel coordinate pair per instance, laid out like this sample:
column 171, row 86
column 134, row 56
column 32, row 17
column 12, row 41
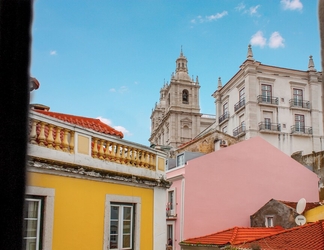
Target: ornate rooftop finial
column 311, row 64
column 181, row 54
column 197, row 81
column 219, row 83
column 250, row 53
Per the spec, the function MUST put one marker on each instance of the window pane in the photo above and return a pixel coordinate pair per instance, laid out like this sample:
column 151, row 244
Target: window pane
column 114, row 211
column 126, row 227
column 127, row 213
column 113, row 242
column 31, row 209
column 126, row 241
column 114, row 227
column 30, row 228
column 30, row 244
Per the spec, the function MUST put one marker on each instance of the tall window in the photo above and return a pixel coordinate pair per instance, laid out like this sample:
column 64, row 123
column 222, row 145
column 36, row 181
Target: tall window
column 266, row 93
column 267, row 123
column 298, row 97
column 242, row 94
column 180, row 160
column 32, row 223
column 225, row 108
column 121, row 226
column 299, row 123
column 170, row 236
column 185, row 96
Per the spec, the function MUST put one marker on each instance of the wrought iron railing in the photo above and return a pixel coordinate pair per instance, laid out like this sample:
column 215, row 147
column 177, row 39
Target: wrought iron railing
column 239, row 130
column 299, row 104
column 223, row 117
column 269, row 126
column 239, row 105
column 301, row 129
column 268, row 100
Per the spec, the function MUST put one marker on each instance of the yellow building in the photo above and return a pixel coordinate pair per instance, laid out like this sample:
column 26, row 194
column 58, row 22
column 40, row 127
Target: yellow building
column 87, row 188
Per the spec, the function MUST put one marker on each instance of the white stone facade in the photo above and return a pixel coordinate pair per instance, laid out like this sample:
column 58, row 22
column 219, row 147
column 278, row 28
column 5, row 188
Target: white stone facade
column 176, row 118
column 283, row 106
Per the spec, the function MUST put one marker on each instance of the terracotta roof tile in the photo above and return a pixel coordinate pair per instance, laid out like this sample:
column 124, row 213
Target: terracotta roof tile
column 90, row 123
column 306, row 237
column 309, row 205
column 235, row 235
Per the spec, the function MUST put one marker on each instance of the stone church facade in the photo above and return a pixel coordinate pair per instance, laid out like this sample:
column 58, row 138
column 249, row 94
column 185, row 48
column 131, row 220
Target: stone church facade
column 176, row 118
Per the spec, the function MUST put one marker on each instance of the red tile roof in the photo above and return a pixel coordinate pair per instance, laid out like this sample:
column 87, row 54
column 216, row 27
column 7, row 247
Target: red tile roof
column 235, row 235
column 307, row 237
column 309, row 205
column 90, row 123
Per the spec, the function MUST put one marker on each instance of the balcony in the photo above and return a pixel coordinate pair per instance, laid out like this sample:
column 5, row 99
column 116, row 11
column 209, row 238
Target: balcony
column 240, row 105
column 268, row 100
column 297, row 129
column 224, row 117
column 239, row 131
column 76, row 147
column 299, row 104
column 266, row 126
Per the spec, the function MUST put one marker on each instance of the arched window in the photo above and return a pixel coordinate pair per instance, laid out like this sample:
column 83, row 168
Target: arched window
column 185, row 96
column 169, row 99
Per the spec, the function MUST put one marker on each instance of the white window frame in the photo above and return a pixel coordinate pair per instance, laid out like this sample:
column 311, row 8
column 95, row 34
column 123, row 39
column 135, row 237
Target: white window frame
column 180, row 160
column 136, row 201
column 36, row 238
column 172, row 210
column 121, row 229
column 269, row 218
column 48, row 213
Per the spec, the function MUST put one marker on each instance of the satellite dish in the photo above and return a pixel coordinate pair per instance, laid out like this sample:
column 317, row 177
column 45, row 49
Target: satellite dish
column 301, row 206
column 300, row 220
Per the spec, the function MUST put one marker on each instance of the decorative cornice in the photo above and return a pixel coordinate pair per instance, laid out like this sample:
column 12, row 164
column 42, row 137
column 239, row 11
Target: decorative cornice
column 100, row 175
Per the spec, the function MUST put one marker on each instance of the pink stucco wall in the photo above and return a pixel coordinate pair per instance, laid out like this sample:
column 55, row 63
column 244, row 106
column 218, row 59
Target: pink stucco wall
column 177, row 177
column 223, row 188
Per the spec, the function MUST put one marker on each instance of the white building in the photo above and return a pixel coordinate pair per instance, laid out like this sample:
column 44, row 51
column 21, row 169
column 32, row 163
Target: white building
column 176, row 118
column 283, row 106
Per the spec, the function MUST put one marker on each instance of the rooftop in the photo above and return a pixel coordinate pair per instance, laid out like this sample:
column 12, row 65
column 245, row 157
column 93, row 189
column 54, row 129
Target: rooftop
column 308, row 236
column 235, row 235
column 89, row 123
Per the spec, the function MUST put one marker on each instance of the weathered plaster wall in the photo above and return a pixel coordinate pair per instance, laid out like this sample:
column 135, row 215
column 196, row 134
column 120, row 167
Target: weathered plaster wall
column 282, row 215
column 314, row 162
column 208, row 143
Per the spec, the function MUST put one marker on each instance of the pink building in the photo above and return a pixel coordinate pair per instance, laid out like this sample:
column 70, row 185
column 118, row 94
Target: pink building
column 222, row 189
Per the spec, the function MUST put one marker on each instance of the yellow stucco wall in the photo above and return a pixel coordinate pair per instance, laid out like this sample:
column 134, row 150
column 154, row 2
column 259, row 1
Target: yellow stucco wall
column 79, row 209
column 315, row 214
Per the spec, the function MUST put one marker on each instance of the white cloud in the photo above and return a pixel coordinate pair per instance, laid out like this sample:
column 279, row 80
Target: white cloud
column 118, row 128
column 216, row 16
column 254, row 10
column 104, row 120
column 123, row 130
column 291, row 4
column 210, row 18
column 276, row 40
column 122, row 89
column 258, row 39
column 240, row 7
column 53, row 53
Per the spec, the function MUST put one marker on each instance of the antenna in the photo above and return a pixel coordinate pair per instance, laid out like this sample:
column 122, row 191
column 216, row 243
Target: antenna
column 301, row 205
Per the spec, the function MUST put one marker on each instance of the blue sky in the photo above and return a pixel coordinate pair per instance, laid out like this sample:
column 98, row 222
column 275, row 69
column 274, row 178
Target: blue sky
column 110, row 58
